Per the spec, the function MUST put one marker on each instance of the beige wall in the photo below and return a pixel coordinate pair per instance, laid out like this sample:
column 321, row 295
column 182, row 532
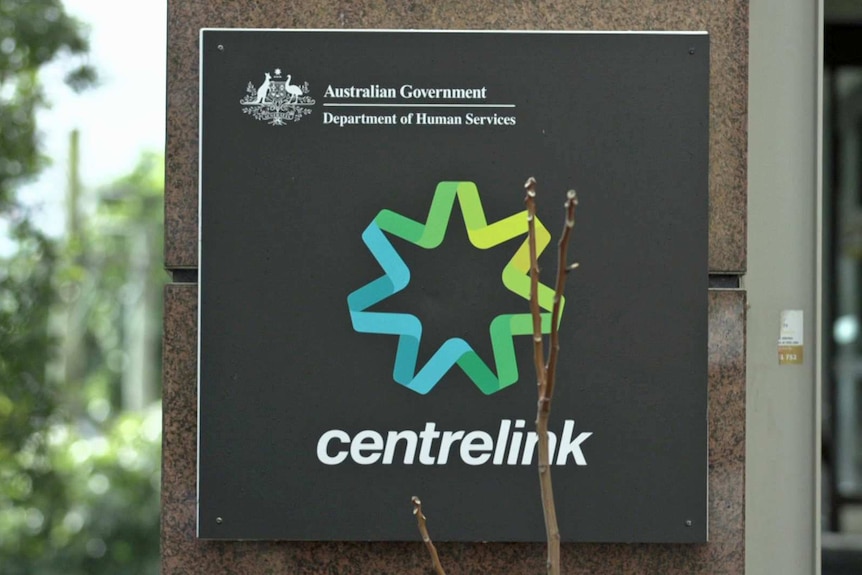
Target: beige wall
column 782, row 501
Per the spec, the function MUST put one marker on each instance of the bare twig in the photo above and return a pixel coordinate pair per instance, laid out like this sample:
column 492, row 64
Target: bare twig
column 552, row 530
column 423, row 530
column 562, row 273
column 546, row 373
column 538, row 351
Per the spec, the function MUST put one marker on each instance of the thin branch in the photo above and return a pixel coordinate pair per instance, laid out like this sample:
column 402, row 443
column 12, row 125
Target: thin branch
column 423, row 530
column 543, row 408
column 562, row 273
column 538, row 349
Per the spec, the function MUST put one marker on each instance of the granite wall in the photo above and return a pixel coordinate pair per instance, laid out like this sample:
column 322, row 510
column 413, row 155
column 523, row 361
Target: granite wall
column 727, row 23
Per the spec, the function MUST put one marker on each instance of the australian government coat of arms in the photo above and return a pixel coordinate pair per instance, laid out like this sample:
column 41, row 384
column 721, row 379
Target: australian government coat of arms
column 276, row 100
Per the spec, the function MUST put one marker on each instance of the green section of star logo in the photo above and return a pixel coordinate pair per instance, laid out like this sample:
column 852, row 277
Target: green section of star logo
column 408, row 328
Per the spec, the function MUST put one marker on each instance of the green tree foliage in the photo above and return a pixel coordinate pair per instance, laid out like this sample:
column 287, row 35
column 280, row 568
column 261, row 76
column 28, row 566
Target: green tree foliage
column 32, row 33
column 78, row 475
column 112, row 270
column 75, row 502
column 26, row 400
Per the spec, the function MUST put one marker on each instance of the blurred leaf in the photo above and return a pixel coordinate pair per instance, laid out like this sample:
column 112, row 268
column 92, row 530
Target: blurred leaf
column 70, row 469
column 32, row 33
column 78, row 477
column 81, row 78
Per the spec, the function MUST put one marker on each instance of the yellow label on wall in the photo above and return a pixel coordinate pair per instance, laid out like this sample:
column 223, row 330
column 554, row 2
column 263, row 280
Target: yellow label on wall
column 790, row 343
column 789, row 354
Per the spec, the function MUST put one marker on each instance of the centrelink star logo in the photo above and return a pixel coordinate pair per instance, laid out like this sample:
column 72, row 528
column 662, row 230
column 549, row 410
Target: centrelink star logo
column 396, row 276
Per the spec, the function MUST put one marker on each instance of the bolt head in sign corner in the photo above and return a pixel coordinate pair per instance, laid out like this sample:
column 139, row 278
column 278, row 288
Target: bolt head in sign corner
column 790, row 343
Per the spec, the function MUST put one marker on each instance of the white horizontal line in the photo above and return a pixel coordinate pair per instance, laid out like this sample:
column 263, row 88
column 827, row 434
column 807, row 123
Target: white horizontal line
column 426, row 31
column 345, row 105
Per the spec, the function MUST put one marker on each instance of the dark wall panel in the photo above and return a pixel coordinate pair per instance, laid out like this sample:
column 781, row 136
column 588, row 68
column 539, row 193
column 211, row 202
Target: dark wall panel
column 727, row 23
column 725, row 20
column 183, row 553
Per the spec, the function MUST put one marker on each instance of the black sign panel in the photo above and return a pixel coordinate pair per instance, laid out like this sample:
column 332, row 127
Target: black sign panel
column 363, row 301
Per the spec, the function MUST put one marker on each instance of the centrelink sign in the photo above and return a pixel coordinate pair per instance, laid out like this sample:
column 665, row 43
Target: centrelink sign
column 364, row 324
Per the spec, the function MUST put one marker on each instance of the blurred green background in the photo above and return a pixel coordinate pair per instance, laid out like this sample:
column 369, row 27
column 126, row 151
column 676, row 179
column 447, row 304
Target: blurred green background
column 80, row 332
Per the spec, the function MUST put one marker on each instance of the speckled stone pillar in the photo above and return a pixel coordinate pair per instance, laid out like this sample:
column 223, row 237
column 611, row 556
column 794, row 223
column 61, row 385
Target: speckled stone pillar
column 727, row 23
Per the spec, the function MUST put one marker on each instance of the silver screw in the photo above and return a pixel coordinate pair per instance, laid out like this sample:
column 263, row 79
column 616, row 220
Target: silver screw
column 690, row 50
column 688, row 522
column 218, row 520
column 221, row 47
